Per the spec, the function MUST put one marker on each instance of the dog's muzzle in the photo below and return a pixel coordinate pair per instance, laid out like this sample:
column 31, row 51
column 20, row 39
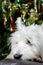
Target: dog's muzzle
column 17, row 56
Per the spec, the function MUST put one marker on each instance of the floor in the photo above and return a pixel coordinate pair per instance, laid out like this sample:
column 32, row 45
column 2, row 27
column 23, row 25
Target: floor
column 19, row 62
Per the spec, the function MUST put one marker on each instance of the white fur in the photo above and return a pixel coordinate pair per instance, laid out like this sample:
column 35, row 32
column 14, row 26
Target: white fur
column 19, row 44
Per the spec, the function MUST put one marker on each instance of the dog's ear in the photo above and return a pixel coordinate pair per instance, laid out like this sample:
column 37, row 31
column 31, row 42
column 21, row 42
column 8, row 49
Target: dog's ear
column 19, row 24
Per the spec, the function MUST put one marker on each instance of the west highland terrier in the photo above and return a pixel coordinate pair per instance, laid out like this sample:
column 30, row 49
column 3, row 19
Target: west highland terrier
column 27, row 42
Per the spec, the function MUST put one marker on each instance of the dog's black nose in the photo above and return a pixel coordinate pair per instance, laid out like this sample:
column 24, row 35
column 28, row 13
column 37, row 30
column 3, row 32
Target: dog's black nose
column 17, row 56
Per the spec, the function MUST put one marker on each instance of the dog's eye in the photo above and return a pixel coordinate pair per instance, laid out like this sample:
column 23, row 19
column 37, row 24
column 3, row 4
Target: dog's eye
column 28, row 42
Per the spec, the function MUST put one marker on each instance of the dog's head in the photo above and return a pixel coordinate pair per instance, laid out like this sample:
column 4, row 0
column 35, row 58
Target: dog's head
column 24, row 46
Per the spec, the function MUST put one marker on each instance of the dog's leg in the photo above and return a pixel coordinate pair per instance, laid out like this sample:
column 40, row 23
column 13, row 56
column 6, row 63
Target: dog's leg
column 10, row 56
column 38, row 59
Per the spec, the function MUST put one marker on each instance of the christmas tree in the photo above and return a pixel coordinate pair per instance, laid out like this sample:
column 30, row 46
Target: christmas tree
column 4, row 36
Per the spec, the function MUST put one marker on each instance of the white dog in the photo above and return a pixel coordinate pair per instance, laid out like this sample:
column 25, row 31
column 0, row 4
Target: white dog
column 27, row 42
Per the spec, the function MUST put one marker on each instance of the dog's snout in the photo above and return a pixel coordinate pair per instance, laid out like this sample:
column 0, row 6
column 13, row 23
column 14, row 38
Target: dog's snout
column 17, row 56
